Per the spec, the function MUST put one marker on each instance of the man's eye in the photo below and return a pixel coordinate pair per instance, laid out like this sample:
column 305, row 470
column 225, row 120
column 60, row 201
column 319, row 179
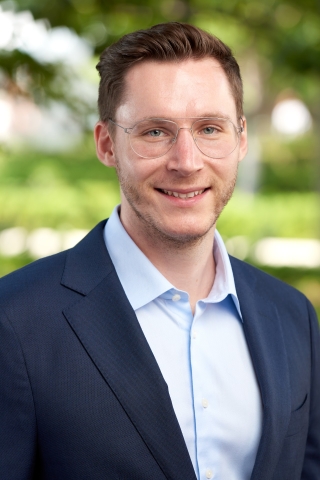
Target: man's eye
column 155, row 133
column 209, row 130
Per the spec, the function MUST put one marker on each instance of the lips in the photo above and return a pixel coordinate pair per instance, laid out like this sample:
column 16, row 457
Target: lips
column 183, row 195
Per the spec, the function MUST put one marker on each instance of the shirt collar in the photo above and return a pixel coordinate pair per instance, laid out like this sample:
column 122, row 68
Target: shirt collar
column 224, row 281
column 141, row 280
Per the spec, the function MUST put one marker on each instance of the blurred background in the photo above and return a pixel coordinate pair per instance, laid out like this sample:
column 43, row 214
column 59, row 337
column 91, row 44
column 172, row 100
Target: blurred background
column 52, row 187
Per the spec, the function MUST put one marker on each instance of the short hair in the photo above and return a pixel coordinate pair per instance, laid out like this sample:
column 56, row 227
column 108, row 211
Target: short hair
column 165, row 42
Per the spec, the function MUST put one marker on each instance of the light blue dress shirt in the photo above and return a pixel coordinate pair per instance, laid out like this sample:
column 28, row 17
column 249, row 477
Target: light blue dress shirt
column 203, row 357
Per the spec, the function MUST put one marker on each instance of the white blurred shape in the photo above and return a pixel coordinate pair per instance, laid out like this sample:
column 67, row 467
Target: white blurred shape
column 57, row 131
column 72, row 237
column 32, row 35
column 282, row 252
column 238, row 246
column 54, row 45
column 6, row 28
column 51, row 128
column 291, row 117
column 66, row 45
column 13, row 241
column 19, row 30
column 44, row 241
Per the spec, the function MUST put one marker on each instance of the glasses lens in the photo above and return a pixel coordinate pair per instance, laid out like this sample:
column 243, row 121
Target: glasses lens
column 153, row 138
column 215, row 137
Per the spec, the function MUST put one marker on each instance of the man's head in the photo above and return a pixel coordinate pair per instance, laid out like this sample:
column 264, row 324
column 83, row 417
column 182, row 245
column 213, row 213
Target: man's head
column 174, row 183
column 167, row 42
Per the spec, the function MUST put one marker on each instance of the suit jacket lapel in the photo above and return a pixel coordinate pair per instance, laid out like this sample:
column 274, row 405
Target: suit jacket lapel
column 262, row 328
column 109, row 331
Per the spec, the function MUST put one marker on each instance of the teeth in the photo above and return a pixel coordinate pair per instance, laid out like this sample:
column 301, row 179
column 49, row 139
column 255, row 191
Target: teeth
column 183, row 195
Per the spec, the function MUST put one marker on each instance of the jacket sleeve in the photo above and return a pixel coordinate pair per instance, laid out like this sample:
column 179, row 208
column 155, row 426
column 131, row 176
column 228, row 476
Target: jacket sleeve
column 17, row 413
column 311, row 466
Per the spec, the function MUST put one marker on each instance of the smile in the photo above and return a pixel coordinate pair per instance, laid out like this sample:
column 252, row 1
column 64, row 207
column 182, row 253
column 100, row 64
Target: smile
column 183, row 195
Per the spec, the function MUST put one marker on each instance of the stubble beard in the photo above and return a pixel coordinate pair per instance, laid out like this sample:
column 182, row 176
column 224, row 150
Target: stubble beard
column 154, row 231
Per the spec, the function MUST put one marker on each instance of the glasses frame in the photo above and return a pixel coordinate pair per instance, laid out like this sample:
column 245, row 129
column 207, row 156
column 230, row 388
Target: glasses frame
column 128, row 130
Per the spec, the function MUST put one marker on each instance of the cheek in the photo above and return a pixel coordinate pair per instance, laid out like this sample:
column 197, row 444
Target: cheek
column 225, row 170
column 228, row 167
column 131, row 171
column 139, row 171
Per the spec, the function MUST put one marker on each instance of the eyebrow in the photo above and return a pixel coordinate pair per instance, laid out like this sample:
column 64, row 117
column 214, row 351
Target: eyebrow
column 216, row 114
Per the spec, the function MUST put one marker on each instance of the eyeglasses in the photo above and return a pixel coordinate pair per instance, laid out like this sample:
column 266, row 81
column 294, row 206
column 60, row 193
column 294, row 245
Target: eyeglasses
column 152, row 138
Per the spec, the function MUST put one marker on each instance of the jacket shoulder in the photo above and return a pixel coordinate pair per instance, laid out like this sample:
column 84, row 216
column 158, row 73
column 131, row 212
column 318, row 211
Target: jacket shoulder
column 32, row 277
column 48, row 272
column 264, row 283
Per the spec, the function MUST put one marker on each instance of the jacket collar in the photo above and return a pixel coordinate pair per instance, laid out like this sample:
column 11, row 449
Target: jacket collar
column 88, row 263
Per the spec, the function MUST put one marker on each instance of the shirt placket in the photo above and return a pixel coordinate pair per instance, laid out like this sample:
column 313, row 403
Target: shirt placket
column 203, row 398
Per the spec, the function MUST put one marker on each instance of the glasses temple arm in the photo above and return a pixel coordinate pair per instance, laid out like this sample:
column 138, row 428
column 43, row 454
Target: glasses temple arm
column 117, row 124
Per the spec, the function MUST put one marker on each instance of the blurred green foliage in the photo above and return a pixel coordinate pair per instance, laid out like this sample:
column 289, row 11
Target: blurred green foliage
column 289, row 165
column 69, row 190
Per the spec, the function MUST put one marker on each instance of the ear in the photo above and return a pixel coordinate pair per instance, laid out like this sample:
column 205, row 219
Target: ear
column 243, row 139
column 104, row 144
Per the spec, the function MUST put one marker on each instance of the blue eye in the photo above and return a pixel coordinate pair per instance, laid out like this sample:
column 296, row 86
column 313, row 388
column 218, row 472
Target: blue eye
column 155, row 133
column 209, row 130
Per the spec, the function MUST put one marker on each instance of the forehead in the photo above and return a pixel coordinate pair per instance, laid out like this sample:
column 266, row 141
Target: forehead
column 188, row 88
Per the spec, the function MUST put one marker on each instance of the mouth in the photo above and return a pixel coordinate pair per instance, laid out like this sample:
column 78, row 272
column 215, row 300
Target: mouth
column 191, row 194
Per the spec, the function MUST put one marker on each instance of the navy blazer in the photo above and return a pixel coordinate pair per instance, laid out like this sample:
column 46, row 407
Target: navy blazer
column 82, row 397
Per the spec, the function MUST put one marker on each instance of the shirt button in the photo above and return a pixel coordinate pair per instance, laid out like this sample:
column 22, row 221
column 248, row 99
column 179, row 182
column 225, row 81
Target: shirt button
column 176, row 298
column 205, row 405
column 194, row 334
column 209, row 473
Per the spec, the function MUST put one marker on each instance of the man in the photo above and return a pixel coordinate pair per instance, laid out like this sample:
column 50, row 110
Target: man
column 145, row 352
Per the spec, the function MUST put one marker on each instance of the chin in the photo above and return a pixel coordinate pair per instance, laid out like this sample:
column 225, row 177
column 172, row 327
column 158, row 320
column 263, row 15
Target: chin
column 184, row 235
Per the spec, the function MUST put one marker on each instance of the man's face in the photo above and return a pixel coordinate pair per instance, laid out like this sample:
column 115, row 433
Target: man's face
column 180, row 92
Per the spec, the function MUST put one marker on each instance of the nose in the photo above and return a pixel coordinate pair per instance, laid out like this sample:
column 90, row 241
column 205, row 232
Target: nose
column 184, row 156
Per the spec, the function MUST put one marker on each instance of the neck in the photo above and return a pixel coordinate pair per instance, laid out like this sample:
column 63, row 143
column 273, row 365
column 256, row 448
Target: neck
column 188, row 266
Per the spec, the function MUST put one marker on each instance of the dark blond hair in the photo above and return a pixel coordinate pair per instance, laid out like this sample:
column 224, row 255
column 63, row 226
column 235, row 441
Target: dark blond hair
column 166, row 42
